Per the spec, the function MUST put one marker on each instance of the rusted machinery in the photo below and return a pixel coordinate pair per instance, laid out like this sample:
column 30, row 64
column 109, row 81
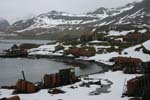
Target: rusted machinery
column 63, row 77
column 23, row 86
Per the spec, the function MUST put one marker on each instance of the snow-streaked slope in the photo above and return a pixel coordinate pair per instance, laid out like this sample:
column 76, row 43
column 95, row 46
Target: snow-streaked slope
column 107, row 12
column 55, row 19
column 136, row 14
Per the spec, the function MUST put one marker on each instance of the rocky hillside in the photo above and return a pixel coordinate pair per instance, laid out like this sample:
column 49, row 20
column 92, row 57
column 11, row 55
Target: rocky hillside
column 58, row 25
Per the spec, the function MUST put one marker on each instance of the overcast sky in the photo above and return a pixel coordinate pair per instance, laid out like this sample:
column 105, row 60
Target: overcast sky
column 12, row 9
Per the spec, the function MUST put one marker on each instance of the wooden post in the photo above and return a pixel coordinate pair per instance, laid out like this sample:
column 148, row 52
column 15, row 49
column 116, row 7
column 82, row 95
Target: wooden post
column 124, row 88
column 23, row 75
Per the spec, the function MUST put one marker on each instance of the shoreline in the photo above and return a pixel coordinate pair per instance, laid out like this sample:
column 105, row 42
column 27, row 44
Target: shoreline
column 105, row 67
column 73, row 62
column 66, row 58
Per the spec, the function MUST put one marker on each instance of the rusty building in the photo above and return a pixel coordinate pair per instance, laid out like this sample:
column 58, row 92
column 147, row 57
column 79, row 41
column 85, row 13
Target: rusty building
column 140, row 86
column 127, row 64
column 63, row 77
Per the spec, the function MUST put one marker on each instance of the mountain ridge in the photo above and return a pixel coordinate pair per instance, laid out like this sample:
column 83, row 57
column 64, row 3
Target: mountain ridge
column 132, row 15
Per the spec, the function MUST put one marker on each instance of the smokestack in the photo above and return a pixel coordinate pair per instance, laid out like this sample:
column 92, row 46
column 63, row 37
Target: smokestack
column 23, row 75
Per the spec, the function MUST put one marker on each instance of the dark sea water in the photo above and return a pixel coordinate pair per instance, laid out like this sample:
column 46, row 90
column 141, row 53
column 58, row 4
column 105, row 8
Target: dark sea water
column 10, row 68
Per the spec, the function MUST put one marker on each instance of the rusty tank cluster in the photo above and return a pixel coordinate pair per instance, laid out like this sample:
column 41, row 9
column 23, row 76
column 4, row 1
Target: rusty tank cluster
column 63, row 77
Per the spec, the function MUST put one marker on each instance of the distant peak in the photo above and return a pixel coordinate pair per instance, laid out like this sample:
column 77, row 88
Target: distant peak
column 102, row 8
column 3, row 23
column 1, row 18
column 54, row 12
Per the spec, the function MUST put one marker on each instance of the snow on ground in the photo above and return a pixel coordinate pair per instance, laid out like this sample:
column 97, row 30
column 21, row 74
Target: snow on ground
column 129, row 52
column 90, row 21
column 95, row 41
column 147, row 45
column 117, row 78
column 117, row 33
column 137, row 54
column 81, row 93
column 43, row 50
column 47, row 50
column 142, row 31
column 103, row 58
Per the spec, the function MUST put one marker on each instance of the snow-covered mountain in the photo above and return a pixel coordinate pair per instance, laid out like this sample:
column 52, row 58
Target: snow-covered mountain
column 3, row 23
column 109, row 12
column 138, row 15
column 52, row 19
column 55, row 18
column 54, row 23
